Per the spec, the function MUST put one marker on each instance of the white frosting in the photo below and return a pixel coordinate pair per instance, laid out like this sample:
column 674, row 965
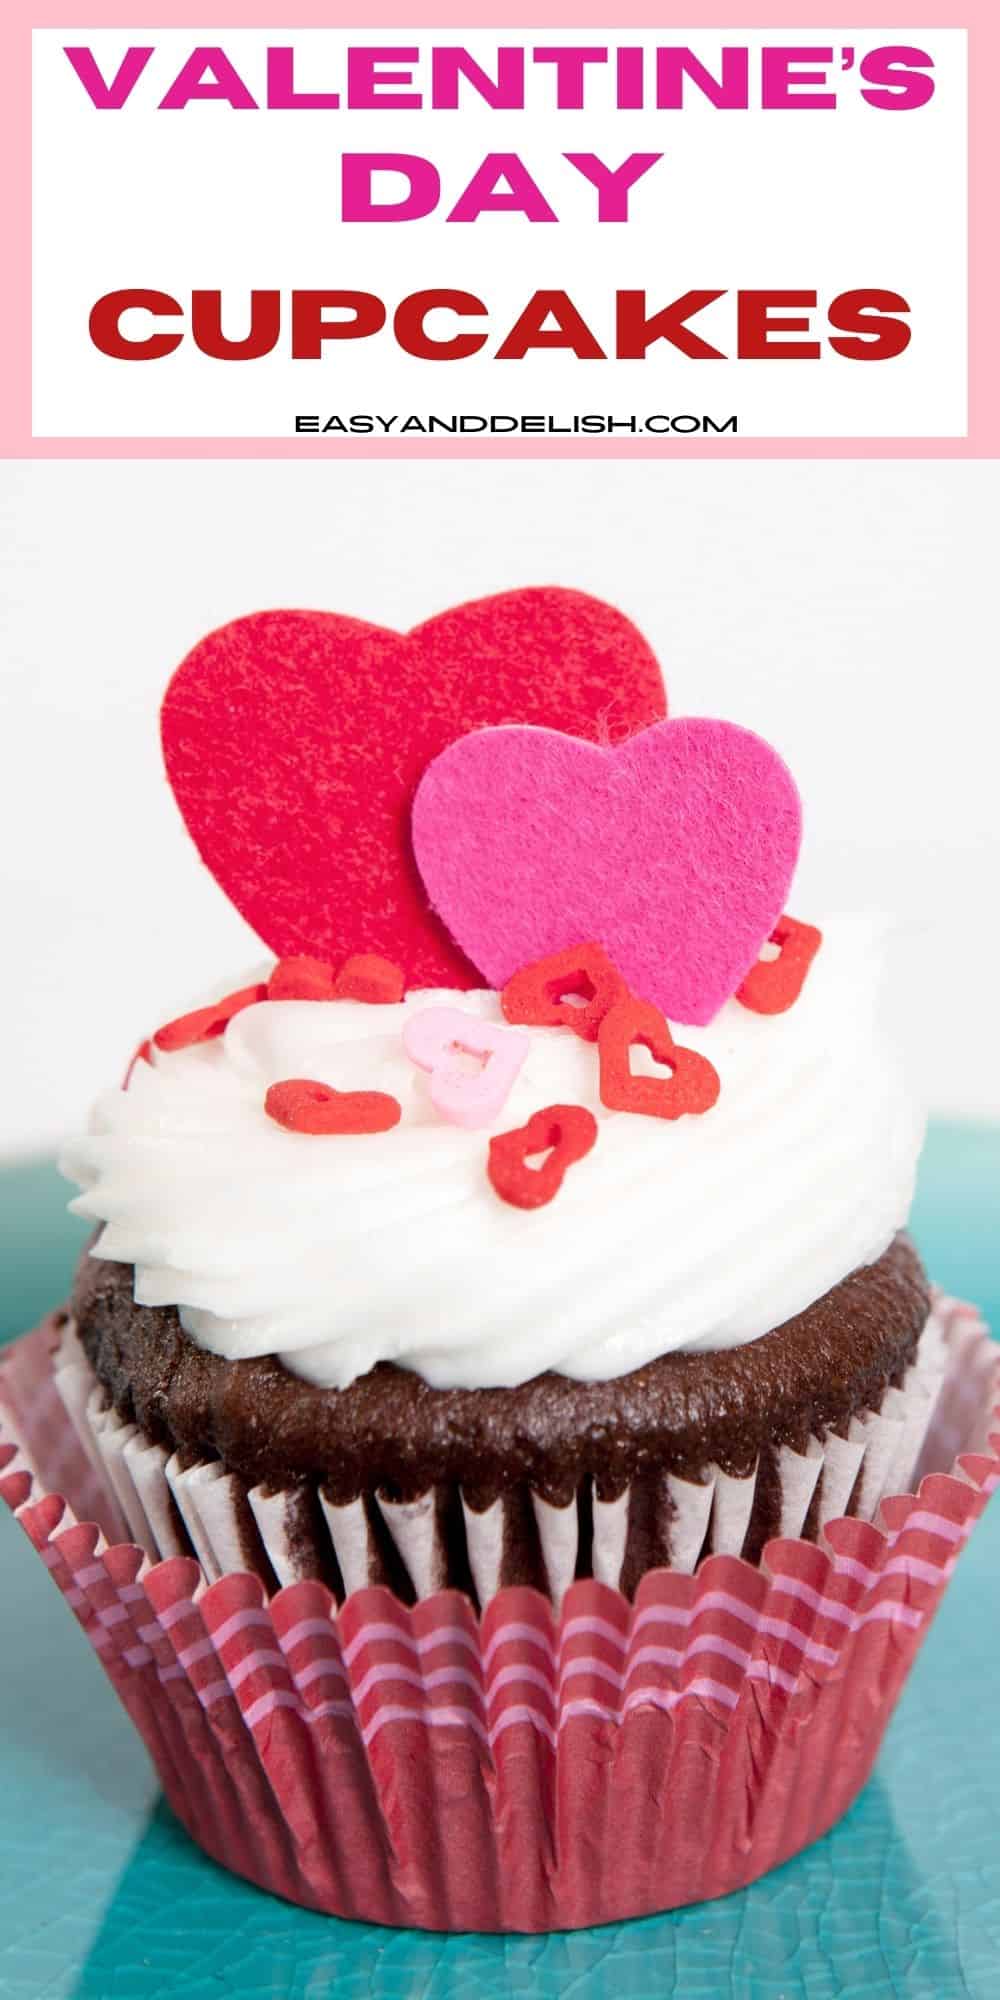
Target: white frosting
column 338, row 1252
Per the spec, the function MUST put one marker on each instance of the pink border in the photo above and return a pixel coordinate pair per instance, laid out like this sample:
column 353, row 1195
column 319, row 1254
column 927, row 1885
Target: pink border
column 980, row 17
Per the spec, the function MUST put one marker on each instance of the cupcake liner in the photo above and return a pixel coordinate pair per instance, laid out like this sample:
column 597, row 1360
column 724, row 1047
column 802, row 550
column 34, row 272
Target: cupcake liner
column 174, row 1507
column 522, row 1769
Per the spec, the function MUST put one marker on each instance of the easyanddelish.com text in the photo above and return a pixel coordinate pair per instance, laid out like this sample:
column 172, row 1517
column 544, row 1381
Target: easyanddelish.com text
column 525, row 425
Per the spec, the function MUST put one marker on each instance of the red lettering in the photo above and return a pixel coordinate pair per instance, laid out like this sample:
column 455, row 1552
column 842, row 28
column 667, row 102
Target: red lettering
column 868, row 324
column 411, row 332
column 265, row 326
column 758, row 321
column 364, row 315
column 869, row 320
column 636, row 333
column 571, row 330
column 105, row 325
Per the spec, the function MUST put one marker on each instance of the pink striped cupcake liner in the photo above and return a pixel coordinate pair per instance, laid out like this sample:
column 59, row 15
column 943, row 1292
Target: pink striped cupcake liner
column 176, row 1504
column 520, row 1768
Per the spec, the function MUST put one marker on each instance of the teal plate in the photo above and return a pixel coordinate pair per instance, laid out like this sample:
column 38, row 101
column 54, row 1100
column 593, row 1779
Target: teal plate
column 103, row 1897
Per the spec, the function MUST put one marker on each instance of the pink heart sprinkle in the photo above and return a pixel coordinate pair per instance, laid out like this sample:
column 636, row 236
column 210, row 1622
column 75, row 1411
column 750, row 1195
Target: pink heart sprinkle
column 436, row 1039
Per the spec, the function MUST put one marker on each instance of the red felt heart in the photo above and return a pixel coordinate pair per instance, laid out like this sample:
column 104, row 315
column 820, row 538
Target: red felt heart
column 295, row 740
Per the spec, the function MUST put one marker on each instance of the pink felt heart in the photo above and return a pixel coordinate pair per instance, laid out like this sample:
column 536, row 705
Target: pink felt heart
column 674, row 851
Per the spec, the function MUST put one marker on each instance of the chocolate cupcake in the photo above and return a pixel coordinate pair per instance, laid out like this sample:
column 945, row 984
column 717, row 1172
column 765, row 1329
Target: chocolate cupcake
column 389, row 1438
column 393, row 1365
column 500, row 1372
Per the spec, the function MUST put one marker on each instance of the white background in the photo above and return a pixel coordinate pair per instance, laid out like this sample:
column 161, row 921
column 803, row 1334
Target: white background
column 844, row 610
column 209, row 197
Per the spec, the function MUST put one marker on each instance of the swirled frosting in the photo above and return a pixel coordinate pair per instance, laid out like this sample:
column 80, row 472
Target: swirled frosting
column 339, row 1252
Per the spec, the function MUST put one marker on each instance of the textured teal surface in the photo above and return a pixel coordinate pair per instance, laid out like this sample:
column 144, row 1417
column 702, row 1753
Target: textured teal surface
column 102, row 1896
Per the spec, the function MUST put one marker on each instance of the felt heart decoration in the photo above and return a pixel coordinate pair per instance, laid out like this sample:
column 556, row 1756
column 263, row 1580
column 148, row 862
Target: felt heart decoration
column 674, row 852
column 294, row 742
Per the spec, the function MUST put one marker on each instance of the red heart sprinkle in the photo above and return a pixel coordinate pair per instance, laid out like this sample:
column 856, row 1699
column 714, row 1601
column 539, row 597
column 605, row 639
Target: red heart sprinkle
column 144, row 1053
column 774, row 984
column 207, row 1022
column 692, row 1086
column 535, row 996
column 368, row 977
column 301, row 979
column 302, row 1105
column 565, row 1131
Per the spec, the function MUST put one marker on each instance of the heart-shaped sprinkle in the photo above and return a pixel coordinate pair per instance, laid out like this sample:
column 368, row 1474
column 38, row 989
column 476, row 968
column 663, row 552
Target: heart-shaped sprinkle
column 301, row 978
column 365, row 977
column 301, row 1104
column 368, row 977
column 144, row 1053
column 674, row 852
column 538, row 994
column 693, row 1083
column 566, row 1132
column 774, row 984
column 206, row 1022
column 437, row 1038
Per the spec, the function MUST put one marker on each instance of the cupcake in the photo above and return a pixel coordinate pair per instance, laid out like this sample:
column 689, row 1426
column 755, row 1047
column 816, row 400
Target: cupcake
column 500, row 1370
column 384, row 1358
